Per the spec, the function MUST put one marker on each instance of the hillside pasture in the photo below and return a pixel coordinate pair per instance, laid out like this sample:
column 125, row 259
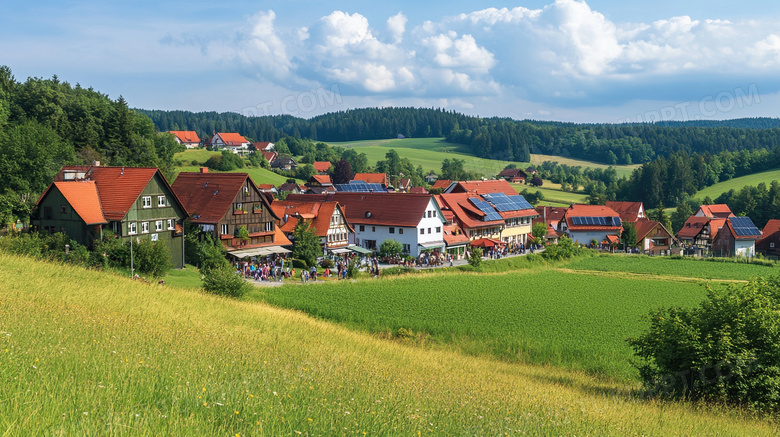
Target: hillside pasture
column 736, row 184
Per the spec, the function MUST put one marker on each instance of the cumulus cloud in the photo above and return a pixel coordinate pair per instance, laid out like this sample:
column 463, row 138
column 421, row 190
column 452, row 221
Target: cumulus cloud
column 563, row 51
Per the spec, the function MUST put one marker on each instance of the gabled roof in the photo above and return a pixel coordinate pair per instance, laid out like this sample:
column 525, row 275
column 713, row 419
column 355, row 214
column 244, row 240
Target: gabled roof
column 322, row 179
column 483, row 187
column 82, row 197
column 716, row 211
column 692, row 227
column 266, row 187
column 441, row 183
column 644, row 227
column 262, row 145
column 453, row 236
column 387, row 209
column 321, row 166
column 466, row 214
column 209, row 196
column 628, row 211
column 232, row 138
column 748, row 231
column 512, row 173
column 186, row 136
column 269, row 156
column 771, row 227
column 549, row 214
column 580, row 210
column 418, row 190
column 318, row 213
column 715, row 226
column 371, row 178
column 289, row 186
column 118, row 187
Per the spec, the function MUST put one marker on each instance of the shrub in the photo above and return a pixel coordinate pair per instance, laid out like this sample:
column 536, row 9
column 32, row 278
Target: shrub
column 224, row 281
column 151, row 258
column 476, row 257
column 299, row 263
column 726, row 350
column 389, row 247
column 326, row 263
column 399, row 270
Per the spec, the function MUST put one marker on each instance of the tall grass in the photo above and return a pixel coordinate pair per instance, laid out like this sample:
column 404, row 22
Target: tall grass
column 86, row 353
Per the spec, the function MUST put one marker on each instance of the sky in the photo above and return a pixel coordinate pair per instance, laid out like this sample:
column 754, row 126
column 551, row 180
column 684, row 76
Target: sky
column 599, row 61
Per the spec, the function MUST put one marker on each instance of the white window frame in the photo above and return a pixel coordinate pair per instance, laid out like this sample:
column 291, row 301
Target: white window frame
column 161, row 202
column 132, row 228
column 155, row 237
column 171, row 224
column 224, row 229
column 268, row 226
column 144, row 227
column 158, row 226
column 147, row 201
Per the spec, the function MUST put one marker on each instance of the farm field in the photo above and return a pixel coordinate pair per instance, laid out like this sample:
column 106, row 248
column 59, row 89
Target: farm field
column 430, row 152
column 259, row 175
column 737, row 183
column 686, row 267
column 551, row 317
column 559, row 197
column 87, row 353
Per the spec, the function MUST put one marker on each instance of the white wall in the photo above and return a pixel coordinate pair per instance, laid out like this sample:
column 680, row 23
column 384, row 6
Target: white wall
column 744, row 248
column 410, row 236
column 585, row 237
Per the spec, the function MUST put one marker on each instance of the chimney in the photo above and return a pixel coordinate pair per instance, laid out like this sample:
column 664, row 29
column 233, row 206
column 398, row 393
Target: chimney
column 204, row 169
column 96, row 163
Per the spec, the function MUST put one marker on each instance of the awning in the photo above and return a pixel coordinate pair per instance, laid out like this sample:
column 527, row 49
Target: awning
column 431, row 244
column 340, row 250
column 258, row 251
column 614, row 239
column 359, row 249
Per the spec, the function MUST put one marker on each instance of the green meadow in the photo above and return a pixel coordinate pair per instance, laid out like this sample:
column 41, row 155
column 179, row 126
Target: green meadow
column 84, row 352
column 737, row 183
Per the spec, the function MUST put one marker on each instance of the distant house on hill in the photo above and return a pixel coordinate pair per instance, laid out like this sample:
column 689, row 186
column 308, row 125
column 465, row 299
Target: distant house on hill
column 482, row 187
column 290, row 187
column 187, row 138
column 441, row 183
column 270, row 157
column 513, row 175
column 322, row 167
column 263, row 146
column 284, row 163
column 232, row 141
column 372, row 178
column 718, row 211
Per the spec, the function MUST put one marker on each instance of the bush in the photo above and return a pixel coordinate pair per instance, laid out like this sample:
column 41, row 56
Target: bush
column 564, row 249
column 726, row 350
column 475, row 259
column 299, row 264
column 224, row 281
column 399, row 270
column 151, row 258
column 326, row 263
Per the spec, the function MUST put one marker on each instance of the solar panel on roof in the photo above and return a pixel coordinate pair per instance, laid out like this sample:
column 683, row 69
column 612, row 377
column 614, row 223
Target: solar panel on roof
column 743, row 226
column 490, row 213
column 520, row 202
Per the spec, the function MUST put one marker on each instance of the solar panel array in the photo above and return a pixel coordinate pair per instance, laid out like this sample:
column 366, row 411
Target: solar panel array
column 596, row 221
column 743, row 226
column 504, row 203
column 490, row 213
column 360, row 187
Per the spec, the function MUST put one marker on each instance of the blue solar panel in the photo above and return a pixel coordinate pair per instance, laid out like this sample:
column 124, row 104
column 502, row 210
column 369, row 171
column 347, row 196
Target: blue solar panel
column 743, row 226
column 490, row 213
column 520, row 202
column 359, row 187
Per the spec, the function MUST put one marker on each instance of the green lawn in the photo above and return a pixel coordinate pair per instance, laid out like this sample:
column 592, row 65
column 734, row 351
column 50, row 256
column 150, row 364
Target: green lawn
column 737, row 183
column 552, row 195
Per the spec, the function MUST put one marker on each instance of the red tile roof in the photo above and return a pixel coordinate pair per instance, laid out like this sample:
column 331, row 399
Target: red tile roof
column 513, row 173
column 118, row 187
column 720, row 210
column 322, row 179
column 269, row 156
column 186, row 136
column 692, row 227
column 261, row 145
column 321, row 166
column 453, row 236
column 441, row 183
column 418, row 190
column 387, row 209
column 318, row 213
column 83, row 198
column 209, row 196
column 580, row 210
column 628, row 211
column 371, row 178
column 549, row 214
column 266, row 187
column 644, row 227
column 232, row 138
column 485, row 187
column 771, row 227
column 715, row 226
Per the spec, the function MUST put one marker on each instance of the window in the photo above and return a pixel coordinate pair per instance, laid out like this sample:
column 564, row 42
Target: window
column 161, row 201
column 132, row 228
column 147, row 201
column 429, row 230
column 158, row 226
column 438, row 229
column 771, row 244
column 400, row 230
column 422, row 231
column 373, row 228
column 362, row 228
column 154, row 237
column 239, row 206
column 171, row 224
column 268, row 226
column 406, row 248
column 63, row 209
column 145, row 227
column 225, row 229
column 392, row 230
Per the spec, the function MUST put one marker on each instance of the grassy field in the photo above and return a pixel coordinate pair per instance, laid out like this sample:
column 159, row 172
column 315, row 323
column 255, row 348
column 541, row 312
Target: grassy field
column 86, row 353
column 665, row 266
column 737, row 183
column 559, row 197
column 430, row 152
column 556, row 318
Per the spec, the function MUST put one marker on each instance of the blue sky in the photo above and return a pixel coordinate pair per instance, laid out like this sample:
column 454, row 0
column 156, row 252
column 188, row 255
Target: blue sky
column 570, row 60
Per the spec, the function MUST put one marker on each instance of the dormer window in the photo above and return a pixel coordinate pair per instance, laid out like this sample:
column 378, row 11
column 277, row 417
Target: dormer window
column 147, row 201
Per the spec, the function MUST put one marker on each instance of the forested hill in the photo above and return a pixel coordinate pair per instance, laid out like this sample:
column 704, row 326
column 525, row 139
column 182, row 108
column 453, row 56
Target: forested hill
column 498, row 138
column 739, row 123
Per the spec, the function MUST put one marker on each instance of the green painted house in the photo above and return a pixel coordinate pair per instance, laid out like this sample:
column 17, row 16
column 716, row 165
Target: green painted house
column 90, row 202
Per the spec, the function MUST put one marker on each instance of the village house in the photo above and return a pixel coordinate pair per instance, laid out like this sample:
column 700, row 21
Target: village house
column 88, row 203
column 550, row 216
column 284, row 163
column 187, row 138
column 413, row 220
column 326, row 219
column 653, row 238
column 233, row 210
column 322, row 167
column 513, row 175
column 702, row 242
column 687, row 234
column 718, row 211
column 267, row 188
column 482, row 187
column 629, row 211
column 263, row 146
column 736, row 238
column 473, row 221
column 270, row 157
column 372, row 178
column 291, row 188
column 585, row 223
column 442, row 184
column 769, row 244
column 232, row 141
column 319, row 184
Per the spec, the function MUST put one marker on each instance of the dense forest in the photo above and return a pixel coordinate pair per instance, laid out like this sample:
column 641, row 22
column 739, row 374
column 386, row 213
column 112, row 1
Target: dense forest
column 496, row 138
column 46, row 123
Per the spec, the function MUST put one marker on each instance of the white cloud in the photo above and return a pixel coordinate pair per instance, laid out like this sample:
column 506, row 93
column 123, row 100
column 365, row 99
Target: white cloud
column 397, row 26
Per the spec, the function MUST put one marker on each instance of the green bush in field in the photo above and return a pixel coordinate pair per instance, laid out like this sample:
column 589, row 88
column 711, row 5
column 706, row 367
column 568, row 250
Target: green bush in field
column 224, row 280
column 564, row 249
column 475, row 259
column 726, row 350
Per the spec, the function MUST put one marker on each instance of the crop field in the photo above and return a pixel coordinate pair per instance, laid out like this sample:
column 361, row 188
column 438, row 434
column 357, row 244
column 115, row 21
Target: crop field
column 83, row 352
column 550, row 317
column 737, row 183
column 664, row 266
